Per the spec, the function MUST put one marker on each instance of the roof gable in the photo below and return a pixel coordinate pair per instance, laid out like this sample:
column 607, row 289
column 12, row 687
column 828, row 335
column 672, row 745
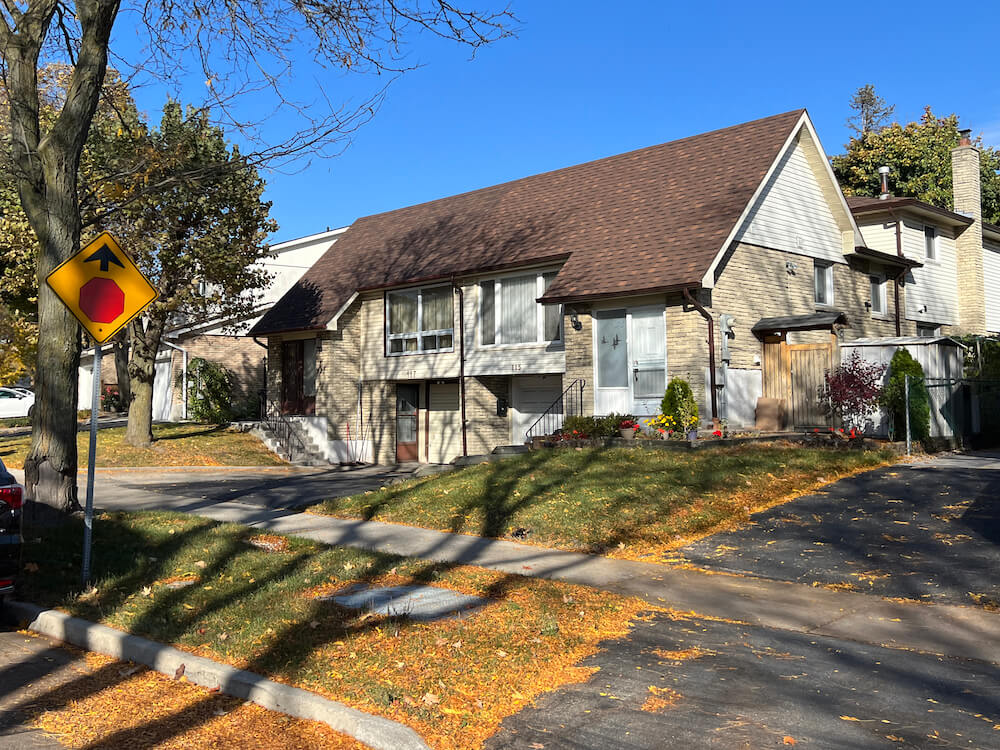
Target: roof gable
column 651, row 219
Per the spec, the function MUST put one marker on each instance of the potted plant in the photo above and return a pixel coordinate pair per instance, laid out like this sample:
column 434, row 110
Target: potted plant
column 627, row 428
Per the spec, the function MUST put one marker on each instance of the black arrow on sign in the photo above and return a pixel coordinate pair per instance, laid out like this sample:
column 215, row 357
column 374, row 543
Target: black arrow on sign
column 105, row 256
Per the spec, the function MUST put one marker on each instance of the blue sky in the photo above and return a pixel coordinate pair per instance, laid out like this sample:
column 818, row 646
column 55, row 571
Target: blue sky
column 584, row 80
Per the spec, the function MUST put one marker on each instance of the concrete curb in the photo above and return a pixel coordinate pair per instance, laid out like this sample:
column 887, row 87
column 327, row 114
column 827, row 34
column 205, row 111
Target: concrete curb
column 375, row 731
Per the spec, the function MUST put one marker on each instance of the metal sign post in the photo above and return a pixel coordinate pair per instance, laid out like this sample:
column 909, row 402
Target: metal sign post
column 104, row 289
column 88, row 513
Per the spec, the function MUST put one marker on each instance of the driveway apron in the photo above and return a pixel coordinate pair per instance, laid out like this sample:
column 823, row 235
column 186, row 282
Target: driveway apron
column 928, row 531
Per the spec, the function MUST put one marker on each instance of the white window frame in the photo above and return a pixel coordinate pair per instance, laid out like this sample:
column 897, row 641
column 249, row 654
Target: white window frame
column 928, row 330
column 932, row 248
column 828, row 283
column 419, row 333
column 540, row 339
column 877, row 284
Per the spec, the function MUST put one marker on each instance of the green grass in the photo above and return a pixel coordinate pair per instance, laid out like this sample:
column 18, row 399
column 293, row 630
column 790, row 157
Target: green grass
column 258, row 610
column 173, row 445
column 621, row 501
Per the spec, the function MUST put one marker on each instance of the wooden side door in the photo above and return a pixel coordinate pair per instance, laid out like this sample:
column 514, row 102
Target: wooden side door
column 808, row 365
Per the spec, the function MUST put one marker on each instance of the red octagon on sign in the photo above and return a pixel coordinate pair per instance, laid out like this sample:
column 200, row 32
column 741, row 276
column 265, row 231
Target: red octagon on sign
column 102, row 300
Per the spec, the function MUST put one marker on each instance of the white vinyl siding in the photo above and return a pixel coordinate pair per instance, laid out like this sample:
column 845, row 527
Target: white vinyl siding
column 931, row 291
column 793, row 214
column 880, row 236
column 991, row 280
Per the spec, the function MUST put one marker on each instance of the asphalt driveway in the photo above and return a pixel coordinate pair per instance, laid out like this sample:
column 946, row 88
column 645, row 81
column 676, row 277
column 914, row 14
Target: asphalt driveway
column 928, row 530
column 266, row 487
column 694, row 683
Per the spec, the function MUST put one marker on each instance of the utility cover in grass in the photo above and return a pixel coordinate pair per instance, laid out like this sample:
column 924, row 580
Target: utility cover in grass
column 416, row 602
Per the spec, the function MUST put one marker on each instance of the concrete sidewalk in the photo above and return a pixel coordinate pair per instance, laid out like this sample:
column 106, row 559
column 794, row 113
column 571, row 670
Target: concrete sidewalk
column 964, row 632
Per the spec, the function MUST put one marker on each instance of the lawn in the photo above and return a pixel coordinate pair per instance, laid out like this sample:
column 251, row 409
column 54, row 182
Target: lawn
column 626, row 503
column 173, row 445
column 210, row 589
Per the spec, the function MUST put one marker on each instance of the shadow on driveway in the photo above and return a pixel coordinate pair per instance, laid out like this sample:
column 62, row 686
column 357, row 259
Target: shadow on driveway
column 928, row 531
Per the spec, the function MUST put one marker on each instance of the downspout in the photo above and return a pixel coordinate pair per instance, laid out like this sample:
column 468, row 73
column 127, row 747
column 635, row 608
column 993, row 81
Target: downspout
column 895, row 281
column 711, row 352
column 263, row 393
column 184, row 378
column 461, row 362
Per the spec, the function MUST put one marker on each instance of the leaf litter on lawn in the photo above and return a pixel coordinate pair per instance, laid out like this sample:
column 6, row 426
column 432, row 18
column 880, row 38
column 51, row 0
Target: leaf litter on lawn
column 258, row 610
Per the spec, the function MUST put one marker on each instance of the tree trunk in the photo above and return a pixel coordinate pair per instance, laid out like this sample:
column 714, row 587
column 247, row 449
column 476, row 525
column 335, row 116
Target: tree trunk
column 46, row 172
column 50, row 468
column 121, row 346
column 142, row 370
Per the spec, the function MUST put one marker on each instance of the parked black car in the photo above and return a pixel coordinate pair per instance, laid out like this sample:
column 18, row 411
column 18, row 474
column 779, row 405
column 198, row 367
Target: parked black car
column 11, row 499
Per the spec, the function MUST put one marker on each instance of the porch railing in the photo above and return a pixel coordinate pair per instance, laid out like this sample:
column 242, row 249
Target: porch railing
column 569, row 404
column 282, row 428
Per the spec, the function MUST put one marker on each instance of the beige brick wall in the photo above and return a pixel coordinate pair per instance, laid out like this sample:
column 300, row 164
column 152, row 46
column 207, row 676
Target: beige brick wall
column 378, row 421
column 338, row 371
column 580, row 352
column 969, row 243
column 244, row 358
column 484, row 429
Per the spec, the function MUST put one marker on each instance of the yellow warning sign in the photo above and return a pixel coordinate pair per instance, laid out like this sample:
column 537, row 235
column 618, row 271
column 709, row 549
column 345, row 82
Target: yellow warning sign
column 102, row 287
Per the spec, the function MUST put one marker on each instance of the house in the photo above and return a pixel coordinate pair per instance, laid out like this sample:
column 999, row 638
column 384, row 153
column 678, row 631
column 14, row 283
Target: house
column 731, row 259
column 220, row 340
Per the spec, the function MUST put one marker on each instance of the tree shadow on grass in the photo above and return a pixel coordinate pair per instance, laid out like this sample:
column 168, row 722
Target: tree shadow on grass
column 207, row 430
column 128, row 560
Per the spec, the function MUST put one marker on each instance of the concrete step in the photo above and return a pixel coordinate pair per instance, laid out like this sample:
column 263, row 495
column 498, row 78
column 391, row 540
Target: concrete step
column 510, row 450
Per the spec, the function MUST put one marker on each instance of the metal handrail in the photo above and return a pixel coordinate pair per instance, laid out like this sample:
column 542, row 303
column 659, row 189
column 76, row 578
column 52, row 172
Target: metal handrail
column 281, row 427
column 569, row 404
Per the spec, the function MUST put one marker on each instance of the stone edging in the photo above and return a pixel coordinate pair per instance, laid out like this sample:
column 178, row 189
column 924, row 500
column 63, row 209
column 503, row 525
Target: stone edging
column 375, row 731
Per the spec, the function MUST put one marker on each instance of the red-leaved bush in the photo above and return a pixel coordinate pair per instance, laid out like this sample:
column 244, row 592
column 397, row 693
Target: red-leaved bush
column 852, row 390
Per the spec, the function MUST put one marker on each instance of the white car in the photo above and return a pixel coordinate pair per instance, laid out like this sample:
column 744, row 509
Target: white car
column 14, row 403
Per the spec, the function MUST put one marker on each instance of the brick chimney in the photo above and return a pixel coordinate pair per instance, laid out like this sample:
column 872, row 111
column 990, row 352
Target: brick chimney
column 969, row 243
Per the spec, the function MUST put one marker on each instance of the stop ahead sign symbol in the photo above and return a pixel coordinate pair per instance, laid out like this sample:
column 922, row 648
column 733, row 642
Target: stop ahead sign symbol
column 102, row 300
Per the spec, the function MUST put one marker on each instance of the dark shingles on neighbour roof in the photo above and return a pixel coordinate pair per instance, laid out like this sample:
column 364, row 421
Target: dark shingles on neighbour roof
column 645, row 220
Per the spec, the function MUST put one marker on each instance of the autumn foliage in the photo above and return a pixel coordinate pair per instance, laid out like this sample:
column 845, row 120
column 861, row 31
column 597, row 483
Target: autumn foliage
column 851, row 391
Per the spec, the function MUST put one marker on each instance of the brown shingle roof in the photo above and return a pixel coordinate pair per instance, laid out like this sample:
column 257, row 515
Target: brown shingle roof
column 651, row 219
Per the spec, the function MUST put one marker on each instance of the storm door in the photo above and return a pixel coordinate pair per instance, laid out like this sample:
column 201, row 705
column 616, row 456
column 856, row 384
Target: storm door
column 612, row 392
column 407, row 402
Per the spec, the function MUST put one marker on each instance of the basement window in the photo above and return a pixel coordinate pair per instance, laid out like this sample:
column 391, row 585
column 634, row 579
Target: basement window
column 420, row 320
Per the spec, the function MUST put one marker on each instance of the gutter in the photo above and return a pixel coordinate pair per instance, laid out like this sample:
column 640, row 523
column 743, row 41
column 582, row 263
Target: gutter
column 711, row 352
column 895, row 281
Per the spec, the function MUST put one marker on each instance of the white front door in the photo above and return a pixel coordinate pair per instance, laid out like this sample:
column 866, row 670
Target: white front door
column 630, row 360
column 648, row 349
column 531, row 397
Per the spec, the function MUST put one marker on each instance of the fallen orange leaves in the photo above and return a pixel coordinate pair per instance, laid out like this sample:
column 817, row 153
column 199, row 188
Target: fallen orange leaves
column 112, row 705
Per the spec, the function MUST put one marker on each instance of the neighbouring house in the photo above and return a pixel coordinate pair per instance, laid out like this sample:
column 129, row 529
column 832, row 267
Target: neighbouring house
column 731, row 259
column 220, row 340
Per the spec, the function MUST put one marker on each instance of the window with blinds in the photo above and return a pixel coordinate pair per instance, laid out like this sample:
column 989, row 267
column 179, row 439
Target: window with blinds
column 420, row 320
column 509, row 314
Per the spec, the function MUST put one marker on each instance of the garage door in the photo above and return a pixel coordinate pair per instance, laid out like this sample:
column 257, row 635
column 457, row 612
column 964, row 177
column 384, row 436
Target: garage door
column 445, row 433
column 531, row 397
